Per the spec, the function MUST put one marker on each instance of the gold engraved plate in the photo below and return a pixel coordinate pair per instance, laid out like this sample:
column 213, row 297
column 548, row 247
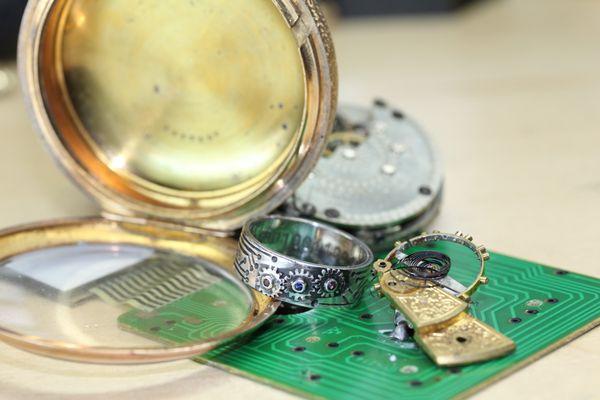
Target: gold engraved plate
column 464, row 341
column 423, row 306
column 443, row 328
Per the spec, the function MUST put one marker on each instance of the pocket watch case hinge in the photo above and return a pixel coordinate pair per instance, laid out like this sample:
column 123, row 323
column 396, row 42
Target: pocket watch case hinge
column 298, row 21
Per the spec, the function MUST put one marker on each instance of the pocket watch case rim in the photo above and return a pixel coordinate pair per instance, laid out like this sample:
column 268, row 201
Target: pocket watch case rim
column 220, row 251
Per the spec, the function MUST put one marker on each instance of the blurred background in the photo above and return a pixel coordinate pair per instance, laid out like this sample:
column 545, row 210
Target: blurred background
column 508, row 89
column 11, row 10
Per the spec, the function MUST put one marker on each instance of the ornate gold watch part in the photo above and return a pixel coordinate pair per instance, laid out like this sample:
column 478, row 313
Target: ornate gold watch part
column 463, row 340
column 424, row 306
column 443, row 328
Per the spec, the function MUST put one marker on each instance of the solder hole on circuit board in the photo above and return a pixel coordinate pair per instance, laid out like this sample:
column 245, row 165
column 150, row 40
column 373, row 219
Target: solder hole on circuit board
column 333, row 345
column 515, row 320
column 461, row 339
column 358, row 353
column 552, row 300
column 299, row 349
column 531, row 311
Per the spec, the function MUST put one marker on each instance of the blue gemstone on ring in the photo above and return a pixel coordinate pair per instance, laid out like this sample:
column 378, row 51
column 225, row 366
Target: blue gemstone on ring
column 299, row 285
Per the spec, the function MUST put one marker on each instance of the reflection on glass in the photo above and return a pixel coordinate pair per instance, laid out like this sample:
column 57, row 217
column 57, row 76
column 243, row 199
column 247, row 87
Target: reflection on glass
column 118, row 296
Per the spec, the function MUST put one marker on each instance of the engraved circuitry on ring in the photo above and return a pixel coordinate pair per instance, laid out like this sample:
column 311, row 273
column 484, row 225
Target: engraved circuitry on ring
column 324, row 285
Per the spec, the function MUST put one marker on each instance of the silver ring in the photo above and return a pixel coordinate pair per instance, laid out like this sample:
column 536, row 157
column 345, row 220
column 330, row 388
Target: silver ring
column 302, row 262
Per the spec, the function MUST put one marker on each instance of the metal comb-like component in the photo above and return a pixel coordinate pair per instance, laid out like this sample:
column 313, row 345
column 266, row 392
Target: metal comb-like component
column 161, row 280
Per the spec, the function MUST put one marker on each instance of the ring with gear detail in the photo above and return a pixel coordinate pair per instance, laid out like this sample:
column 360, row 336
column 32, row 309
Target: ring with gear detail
column 302, row 262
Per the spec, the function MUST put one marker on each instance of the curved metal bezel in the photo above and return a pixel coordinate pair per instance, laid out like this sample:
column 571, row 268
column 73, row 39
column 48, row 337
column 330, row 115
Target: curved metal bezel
column 219, row 251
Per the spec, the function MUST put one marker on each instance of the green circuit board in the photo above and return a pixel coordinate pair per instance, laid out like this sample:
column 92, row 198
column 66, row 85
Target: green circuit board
column 347, row 353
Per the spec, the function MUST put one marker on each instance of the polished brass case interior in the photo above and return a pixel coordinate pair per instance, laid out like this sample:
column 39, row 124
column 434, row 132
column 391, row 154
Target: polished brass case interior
column 186, row 217
column 54, row 48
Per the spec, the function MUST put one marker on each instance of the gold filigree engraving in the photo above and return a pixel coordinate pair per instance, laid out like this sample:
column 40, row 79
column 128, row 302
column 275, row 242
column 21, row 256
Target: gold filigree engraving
column 443, row 328
column 423, row 306
column 465, row 341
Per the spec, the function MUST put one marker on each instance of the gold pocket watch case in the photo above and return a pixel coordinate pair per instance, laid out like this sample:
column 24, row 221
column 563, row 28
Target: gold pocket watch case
column 182, row 120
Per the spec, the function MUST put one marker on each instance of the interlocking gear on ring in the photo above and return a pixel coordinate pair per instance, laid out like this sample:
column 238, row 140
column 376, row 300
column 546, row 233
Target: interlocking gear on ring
column 269, row 281
column 330, row 283
column 299, row 285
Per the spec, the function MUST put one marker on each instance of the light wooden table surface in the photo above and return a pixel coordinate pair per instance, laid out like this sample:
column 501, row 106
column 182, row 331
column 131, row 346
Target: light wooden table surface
column 510, row 90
